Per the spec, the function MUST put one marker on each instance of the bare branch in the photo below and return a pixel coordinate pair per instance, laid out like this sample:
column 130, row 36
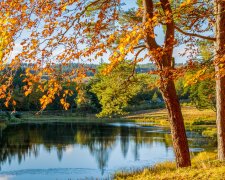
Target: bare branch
column 195, row 35
column 137, row 54
column 140, row 46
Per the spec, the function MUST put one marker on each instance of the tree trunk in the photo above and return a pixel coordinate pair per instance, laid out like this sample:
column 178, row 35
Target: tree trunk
column 162, row 55
column 179, row 137
column 220, row 105
column 220, row 78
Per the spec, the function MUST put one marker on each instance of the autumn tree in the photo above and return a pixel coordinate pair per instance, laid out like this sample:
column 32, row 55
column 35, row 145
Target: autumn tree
column 212, row 22
column 220, row 76
column 62, row 32
column 65, row 31
column 14, row 18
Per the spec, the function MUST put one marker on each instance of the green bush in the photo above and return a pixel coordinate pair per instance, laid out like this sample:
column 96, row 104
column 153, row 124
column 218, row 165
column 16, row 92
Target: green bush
column 210, row 132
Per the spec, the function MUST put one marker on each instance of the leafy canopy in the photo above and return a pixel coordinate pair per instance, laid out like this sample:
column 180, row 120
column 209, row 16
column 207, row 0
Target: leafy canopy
column 117, row 88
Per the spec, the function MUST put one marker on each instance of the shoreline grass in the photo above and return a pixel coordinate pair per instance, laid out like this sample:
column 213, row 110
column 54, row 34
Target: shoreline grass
column 192, row 116
column 204, row 167
column 202, row 121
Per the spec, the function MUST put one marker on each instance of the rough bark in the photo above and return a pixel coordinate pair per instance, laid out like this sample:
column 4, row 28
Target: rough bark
column 163, row 59
column 179, row 138
column 220, row 78
column 220, row 104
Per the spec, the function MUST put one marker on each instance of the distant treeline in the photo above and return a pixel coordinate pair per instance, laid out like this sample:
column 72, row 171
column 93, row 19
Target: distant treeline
column 114, row 94
column 92, row 68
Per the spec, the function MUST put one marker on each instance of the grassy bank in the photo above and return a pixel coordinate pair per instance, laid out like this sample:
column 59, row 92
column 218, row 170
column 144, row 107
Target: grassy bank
column 192, row 116
column 203, row 121
column 195, row 120
column 59, row 116
column 204, row 167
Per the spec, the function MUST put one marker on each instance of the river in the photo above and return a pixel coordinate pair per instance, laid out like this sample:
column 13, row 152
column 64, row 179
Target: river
column 85, row 150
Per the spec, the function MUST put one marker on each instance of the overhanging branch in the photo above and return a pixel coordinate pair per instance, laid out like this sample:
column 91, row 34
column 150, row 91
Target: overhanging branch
column 195, row 35
column 140, row 46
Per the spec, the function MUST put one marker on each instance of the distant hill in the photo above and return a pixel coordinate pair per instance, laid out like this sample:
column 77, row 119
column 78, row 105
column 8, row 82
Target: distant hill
column 91, row 68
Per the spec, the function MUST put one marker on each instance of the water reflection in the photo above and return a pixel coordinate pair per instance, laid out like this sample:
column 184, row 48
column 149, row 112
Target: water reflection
column 20, row 142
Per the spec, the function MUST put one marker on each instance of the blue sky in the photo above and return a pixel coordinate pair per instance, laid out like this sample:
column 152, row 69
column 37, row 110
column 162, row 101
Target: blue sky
column 158, row 32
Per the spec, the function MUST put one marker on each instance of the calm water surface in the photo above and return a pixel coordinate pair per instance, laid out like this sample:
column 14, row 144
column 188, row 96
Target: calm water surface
column 84, row 150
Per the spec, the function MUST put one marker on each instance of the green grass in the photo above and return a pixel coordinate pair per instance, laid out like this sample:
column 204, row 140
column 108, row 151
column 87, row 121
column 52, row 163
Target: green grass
column 204, row 167
column 192, row 116
column 31, row 117
column 210, row 132
column 194, row 119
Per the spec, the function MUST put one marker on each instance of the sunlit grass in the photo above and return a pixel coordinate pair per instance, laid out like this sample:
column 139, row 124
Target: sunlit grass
column 66, row 117
column 192, row 116
column 204, row 167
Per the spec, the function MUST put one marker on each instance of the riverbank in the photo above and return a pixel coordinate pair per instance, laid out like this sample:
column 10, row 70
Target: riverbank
column 195, row 120
column 192, row 116
column 204, row 166
column 202, row 121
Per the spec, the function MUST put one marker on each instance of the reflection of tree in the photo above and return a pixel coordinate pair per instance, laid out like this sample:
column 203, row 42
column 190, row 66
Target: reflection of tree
column 24, row 140
column 60, row 153
column 124, row 140
column 101, row 155
column 99, row 140
column 167, row 141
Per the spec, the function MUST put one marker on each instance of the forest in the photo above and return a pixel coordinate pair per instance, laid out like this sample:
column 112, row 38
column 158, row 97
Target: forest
column 200, row 94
